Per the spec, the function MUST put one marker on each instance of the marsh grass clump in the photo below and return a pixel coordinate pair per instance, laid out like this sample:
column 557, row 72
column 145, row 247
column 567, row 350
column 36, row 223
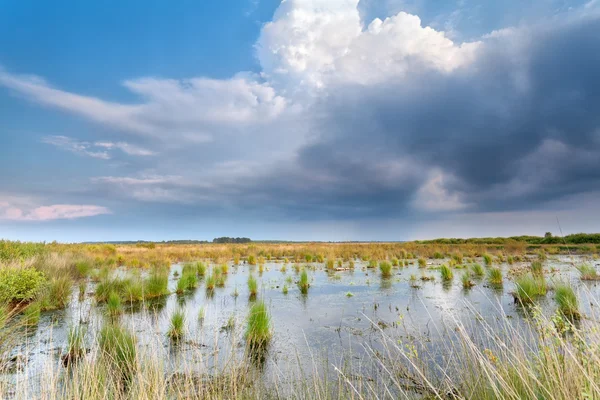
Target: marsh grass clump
column 75, row 345
column 118, row 351
column 83, row 268
column 488, row 260
column 395, row 262
column 252, row 259
column 285, row 289
column 566, row 299
column 303, row 283
column 210, row 283
column 477, row 270
column 466, row 280
column 458, row 258
column 372, row 264
column 200, row 268
column 529, row 287
column 177, row 325
column 157, row 284
column 386, row 269
column 82, row 290
column 537, row 268
column 258, row 331
column 588, row 273
column 32, row 313
column 495, row 276
column 113, row 304
column 252, row 286
column 57, row 294
column 422, row 263
column 446, row 272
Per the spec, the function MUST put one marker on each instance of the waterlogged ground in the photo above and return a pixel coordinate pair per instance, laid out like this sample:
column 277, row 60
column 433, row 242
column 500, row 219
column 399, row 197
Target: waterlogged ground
column 343, row 312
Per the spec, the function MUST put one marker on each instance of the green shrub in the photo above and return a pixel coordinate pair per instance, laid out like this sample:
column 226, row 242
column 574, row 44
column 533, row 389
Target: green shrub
column 20, row 284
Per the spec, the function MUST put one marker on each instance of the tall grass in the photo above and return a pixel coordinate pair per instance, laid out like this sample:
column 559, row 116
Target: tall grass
column 258, row 331
column 588, row 273
column 495, row 276
column 529, row 287
column 118, row 350
column 252, row 286
column 303, row 283
column 386, row 269
column 446, row 272
column 177, row 326
column 567, row 301
column 477, row 270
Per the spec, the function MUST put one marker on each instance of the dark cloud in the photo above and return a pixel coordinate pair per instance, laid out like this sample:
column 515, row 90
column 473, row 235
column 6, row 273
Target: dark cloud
column 515, row 129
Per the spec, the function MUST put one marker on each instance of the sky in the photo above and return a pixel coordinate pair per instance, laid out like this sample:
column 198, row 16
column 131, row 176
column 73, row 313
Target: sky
column 324, row 120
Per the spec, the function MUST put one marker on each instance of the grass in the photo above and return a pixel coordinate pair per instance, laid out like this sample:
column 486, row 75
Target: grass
column 446, row 272
column 477, row 270
column 113, row 304
column 588, row 273
column 566, row 299
column 330, row 263
column 32, row 314
column 386, row 269
column 495, row 276
column 118, row 350
column 200, row 268
column 528, row 287
column 58, row 293
column 252, row 286
column 466, row 280
column 395, row 262
column 210, row 283
column 303, row 283
column 372, row 264
column 157, row 284
column 487, row 259
column 75, row 344
column 252, row 259
column 258, row 331
column 422, row 263
column 285, row 289
column 82, row 290
column 537, row 268
column 177, row 325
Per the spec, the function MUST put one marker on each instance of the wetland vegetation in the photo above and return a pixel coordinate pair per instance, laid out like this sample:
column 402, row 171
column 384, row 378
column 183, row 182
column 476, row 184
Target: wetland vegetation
column 300, row 320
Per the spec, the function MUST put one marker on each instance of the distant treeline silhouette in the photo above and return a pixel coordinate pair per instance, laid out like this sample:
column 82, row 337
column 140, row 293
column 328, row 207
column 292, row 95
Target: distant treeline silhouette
column 226, row 239
column 576, row 238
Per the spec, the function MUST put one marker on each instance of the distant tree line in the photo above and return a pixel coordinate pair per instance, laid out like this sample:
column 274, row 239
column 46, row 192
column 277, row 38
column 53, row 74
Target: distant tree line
column 576, row 238
column 226, row 239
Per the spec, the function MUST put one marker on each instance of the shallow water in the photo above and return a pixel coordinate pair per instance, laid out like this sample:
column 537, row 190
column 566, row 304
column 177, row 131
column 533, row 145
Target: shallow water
column 343, row 312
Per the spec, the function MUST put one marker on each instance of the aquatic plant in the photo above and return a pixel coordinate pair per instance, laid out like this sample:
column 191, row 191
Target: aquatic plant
column 395, row 262
column 258, row 331
column 82, row 290
column 210, row 283
column 157, row 284
column 201, row 313
column 32, row 313
column 487, row 259
column 200, row 268
column 118, row 351
column 457, row 257
column 588, row 273
column 236, row 259
column 528, row 288
column 477, row 270
column 422, row 263
column 537, row 268
column 75, row 344
column 386, row 269
column 252, row 286
column 177, row 325
column 57, row 293
column 372, row 264
column 349, row 294
column 252, row 259
column 495, row 276
column 225, row 268
column 113, row 304
column 303, row 283
column 466, row 280
column 446, row 273
column 567, row 301
column 351, row 264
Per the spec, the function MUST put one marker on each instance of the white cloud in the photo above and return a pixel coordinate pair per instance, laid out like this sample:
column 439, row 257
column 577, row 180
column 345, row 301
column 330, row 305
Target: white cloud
column 93, row 149
column 18, row 212
column 434, row 196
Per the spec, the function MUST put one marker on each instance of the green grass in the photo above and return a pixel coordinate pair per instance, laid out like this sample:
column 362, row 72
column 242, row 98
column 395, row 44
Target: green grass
column 177, row 325
column 75, row 343
column 285, row 289
column 303, row 283
column 466, row 280
column 252, row 259
column 258, row 331
column 82, row 290
column 537, row 268
column 528, row 288
column 386, row 269
column 83, row 268
column 113, row 304
column 330, row 263
column 422, row 263
column 201, row 268
column 488, row 260
column 567, row 301
column 446, row 272
column 495, row 276
column 477, row 270
column 210, row 283
column 395, row 262
column 372, row 264
column 252, row 286
column 118, row 351
column 588, row 273
column 58, row 293
column 157, row 284
column 32, row 313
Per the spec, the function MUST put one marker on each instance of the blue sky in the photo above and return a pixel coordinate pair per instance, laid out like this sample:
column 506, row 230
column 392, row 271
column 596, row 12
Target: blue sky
column 298, row 120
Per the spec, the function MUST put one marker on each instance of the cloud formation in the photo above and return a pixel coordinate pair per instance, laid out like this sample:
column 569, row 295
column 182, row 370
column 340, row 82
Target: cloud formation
column 12, row 212
column 351, row 118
